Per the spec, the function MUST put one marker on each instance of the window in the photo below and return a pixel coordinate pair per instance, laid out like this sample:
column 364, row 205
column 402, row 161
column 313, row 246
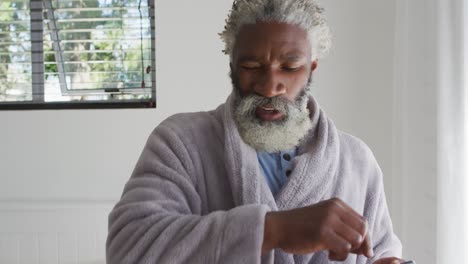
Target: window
column 77, row 54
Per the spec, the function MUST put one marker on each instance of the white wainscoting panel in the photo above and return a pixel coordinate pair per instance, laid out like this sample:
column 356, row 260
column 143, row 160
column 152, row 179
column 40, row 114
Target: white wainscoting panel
column 53, row 232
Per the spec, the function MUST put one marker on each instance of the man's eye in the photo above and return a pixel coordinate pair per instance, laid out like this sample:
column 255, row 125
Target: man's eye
column 291, row 69
column 250, row 67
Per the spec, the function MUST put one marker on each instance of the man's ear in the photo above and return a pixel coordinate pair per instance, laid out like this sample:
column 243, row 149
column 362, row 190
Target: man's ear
column 314, row 65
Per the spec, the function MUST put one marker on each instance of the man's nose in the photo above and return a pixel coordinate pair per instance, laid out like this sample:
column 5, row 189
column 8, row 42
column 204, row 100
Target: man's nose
column 270, row 84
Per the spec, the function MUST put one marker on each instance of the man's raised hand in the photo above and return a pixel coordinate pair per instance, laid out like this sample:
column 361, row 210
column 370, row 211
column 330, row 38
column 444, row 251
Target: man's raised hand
column 329, row 225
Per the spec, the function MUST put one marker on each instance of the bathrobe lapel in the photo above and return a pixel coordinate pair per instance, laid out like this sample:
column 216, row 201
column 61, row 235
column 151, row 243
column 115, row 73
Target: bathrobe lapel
column 247, row 183
column 316, row 164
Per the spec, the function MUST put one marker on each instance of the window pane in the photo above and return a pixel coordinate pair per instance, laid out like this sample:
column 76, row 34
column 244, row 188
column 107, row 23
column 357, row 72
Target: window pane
column 15, row 51
column 97, row 50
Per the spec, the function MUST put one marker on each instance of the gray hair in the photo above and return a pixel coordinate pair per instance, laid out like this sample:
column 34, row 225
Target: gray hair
column 307, row 14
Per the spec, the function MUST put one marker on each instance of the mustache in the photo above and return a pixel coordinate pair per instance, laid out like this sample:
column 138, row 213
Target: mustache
column 279, row 103
column 253, row 101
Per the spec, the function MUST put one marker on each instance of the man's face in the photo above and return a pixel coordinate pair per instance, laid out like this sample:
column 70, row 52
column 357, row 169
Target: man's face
column 270, row 71
column 272, row 59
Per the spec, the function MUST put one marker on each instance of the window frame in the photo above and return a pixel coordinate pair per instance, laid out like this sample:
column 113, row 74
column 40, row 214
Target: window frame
column 38, row 73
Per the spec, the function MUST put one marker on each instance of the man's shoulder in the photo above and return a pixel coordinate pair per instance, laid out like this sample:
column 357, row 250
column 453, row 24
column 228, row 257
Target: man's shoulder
column 351, row 140
column 354, row 147
column 189, row 118
column 358, row 155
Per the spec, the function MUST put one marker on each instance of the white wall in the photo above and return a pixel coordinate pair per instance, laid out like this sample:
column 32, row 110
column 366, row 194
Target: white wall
column 61, row 171
column 355, row 83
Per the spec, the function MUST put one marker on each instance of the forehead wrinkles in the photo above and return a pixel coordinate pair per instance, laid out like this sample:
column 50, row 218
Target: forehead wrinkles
column 285, row 53
column 263, row 38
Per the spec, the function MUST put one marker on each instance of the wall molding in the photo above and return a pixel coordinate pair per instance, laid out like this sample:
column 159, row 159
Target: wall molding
column 53, row 231
column 53, row 215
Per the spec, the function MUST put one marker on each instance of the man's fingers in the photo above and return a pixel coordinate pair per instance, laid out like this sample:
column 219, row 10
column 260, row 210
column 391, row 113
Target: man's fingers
column 338, row 247
column 335, row 257
column 366, row 248
column 352, row 218
column 359, row 245
column 349, row 234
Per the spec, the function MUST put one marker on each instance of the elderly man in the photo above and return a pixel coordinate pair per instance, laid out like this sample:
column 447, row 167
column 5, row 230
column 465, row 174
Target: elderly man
column 264, row 178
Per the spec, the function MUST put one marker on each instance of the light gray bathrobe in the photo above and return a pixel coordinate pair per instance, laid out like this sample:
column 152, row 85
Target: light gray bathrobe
column 197, row 194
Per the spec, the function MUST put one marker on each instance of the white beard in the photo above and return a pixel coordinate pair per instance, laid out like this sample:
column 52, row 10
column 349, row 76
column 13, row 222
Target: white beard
column 272, row 136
